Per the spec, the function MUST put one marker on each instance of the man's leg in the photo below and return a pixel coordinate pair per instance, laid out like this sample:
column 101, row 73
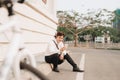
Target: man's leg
column 70, row 60
column 54, row 58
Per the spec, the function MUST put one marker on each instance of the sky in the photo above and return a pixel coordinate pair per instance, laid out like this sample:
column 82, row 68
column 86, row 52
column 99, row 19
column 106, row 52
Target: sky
column 83, row 5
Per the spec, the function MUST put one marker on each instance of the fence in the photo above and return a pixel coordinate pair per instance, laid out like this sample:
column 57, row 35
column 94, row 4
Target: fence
column 95, row 45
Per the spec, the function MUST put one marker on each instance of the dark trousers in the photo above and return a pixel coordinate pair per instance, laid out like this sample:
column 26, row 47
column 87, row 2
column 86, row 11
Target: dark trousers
column 55, row 60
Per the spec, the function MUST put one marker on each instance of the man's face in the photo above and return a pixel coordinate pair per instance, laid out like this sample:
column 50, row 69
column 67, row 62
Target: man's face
column 59, row 39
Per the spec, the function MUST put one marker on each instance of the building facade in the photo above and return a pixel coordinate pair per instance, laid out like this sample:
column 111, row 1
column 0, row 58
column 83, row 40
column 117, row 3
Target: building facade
column 116, row 23
column 37, row 19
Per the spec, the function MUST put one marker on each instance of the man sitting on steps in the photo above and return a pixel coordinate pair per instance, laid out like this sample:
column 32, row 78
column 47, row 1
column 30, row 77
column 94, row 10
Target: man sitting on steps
column 57, row 53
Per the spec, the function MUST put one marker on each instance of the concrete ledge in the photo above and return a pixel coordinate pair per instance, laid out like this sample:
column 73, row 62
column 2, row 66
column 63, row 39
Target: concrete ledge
column 44, row 67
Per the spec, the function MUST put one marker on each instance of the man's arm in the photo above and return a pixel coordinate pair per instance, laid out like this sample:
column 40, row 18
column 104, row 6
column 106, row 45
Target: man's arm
column 52, row 48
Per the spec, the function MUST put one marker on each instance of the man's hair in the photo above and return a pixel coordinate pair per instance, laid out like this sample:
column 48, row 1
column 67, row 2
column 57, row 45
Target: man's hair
column 59, row 34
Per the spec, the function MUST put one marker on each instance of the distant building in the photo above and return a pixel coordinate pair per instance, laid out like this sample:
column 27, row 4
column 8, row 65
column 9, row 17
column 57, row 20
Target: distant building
column 103, row 39
column 116, row 23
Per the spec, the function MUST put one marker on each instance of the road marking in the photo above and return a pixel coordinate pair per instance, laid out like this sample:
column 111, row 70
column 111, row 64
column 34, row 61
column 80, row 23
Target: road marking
column 80, row 75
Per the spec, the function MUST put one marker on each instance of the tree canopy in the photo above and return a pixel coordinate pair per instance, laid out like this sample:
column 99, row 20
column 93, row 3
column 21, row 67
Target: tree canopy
column 93, row 23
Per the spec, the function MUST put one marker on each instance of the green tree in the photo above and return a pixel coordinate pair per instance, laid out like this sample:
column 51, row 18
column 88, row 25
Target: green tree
column 100, row 17
column 76, row 23
column 70, row 20
column 99, row 31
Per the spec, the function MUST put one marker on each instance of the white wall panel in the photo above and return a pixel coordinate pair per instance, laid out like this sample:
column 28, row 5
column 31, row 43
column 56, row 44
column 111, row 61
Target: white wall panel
column 38, row 23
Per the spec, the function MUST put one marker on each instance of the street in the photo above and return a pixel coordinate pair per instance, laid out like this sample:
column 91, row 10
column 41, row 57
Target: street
column 99, row 64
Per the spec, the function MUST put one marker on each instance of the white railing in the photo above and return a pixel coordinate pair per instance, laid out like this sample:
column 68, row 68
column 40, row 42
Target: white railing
column 14, row 47
column 12, row 50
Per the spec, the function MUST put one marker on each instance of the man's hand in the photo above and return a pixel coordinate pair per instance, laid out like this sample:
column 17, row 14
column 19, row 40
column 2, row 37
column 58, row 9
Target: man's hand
column 62, row 49
column 61, row 56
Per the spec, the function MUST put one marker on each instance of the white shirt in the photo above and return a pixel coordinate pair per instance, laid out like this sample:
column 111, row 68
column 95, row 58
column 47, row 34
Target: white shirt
column 51, row 48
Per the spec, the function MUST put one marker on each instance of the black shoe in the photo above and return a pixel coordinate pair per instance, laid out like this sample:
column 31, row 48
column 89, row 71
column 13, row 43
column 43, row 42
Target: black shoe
column 77, row 70
column 56, row 70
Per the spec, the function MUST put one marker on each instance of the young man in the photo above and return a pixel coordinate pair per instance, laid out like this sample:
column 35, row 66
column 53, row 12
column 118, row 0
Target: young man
column 57, row 53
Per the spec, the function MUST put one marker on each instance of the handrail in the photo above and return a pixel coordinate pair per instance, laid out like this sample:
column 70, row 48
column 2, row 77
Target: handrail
column 14, row 46
column 23, row 54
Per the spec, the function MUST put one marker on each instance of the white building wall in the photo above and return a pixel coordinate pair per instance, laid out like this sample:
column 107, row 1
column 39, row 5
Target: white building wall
column 38, row 22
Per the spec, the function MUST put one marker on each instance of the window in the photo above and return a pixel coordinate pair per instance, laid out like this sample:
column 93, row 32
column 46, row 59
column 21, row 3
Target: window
column 45, row 1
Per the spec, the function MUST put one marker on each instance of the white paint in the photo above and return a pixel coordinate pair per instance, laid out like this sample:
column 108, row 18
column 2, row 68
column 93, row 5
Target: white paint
column 80, row 75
